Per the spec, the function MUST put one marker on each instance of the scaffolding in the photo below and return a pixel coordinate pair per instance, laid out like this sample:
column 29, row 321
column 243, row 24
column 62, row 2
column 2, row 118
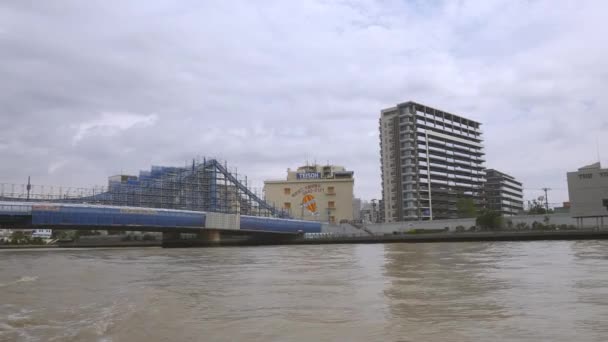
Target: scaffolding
column 205, row 185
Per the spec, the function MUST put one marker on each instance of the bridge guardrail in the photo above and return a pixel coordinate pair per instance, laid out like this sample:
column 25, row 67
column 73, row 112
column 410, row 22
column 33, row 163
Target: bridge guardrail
column 16, row 209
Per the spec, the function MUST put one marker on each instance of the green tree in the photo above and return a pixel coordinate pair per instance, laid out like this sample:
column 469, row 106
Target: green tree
column 466, row 208
column 37, row 241
column 537, row 208
column 489, row 219
column 19, row 238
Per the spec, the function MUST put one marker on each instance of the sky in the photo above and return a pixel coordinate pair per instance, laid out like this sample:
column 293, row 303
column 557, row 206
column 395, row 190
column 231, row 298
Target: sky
column 93, row 88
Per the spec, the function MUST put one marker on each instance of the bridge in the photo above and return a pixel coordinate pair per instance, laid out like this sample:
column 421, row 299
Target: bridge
column 177, row 226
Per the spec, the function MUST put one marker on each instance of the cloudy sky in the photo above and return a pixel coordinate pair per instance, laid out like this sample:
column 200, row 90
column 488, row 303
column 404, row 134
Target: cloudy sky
column 94, row 88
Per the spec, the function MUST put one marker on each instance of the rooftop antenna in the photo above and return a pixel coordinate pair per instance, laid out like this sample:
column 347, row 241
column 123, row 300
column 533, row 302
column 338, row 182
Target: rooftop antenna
column 597, row 147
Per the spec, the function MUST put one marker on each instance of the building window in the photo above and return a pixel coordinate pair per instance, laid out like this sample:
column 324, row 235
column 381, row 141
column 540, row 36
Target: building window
column 287, row 205
column 332, row 219
column 603, row 174
column 331, row 204
column 287, row 191
column 585, row 176
column 331, row 190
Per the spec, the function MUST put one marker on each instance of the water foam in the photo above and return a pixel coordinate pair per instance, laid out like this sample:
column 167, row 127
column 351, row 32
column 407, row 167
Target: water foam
column 24, row 279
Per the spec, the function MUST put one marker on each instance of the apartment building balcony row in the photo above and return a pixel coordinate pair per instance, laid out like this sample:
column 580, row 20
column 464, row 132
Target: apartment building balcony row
column 470, row 139
column 457, row 170
column 450, row 146
column 449, row 119
column 452, row 162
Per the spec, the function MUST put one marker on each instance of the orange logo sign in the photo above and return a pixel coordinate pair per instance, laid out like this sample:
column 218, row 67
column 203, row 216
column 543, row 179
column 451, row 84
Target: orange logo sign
column 308, row 201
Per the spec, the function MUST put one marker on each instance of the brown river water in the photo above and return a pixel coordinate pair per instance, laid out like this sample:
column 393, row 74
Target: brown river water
column 481, row 291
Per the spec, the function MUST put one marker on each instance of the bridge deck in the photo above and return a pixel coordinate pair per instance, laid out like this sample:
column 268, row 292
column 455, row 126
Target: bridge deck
column 101, row 217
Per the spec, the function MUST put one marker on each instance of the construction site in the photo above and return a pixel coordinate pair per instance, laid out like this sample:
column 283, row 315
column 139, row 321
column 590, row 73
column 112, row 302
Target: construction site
column 204, row 185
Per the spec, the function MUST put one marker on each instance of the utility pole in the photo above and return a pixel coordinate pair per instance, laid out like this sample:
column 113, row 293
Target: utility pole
column 374, row 216
column 29, row 188
column 546, row 199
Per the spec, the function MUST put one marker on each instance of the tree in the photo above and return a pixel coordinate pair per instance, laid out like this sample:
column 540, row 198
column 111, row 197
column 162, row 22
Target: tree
column 537, row 208
column 489, row 219
column 19, row 238
column 466, row 208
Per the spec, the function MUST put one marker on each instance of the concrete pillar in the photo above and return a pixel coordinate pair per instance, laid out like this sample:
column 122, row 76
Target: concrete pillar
column 168, row 236
column 209, row 236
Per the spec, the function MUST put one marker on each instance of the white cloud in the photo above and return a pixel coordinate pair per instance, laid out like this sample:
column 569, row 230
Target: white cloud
column 267, row 85
column 112, row 123
column 56, row 165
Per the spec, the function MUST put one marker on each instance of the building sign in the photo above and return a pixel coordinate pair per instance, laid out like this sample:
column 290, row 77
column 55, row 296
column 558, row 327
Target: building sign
column 308, row 189
column 309, row 202
column 309, row 175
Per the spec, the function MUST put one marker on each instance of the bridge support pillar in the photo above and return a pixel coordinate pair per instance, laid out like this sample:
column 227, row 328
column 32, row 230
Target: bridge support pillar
column 171, row 236
column 209, row 236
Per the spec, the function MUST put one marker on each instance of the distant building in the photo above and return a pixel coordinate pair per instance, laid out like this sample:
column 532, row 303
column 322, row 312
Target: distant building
column 565, row 208
column 370, row 211
column 503, row 193
column 315, row 193
column 588, row 191
column 356, row 209
column 429, row 160
column 42, row 233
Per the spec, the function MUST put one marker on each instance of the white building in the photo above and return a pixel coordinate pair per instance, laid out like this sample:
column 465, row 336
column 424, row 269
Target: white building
column 430, row 159
column 588, row 191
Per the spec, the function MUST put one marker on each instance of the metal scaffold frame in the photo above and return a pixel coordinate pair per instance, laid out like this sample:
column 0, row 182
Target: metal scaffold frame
column 205, row 185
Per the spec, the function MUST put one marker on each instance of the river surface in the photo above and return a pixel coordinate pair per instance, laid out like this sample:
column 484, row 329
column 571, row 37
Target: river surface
column 499, row 291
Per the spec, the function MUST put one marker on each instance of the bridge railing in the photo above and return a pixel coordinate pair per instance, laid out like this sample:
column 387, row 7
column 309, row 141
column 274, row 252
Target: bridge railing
column 15, row 209
column 20, row 192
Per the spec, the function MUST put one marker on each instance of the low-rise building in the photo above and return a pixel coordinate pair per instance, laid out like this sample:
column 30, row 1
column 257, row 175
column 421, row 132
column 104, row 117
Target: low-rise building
column 503, row 193
column 356, row 209
column 588, row 192
column 314, row 192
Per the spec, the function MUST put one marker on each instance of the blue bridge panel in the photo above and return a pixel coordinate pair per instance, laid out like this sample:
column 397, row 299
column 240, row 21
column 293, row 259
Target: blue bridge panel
column 99, row 216
column 84, row 215
column 279, row 225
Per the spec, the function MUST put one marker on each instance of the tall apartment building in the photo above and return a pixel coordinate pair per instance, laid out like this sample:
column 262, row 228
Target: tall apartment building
column 430, row 159
column 503, row 193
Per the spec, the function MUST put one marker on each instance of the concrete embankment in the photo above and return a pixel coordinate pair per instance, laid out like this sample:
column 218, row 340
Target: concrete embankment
column 27, row 246
column 87, row 244
column 403, row 238
column 459, row 237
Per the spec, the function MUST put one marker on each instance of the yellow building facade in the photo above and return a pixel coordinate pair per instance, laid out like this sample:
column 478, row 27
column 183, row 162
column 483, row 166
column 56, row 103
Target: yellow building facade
column 321, row 193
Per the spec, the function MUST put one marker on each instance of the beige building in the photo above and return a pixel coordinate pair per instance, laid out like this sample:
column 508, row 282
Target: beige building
column 314, row 193
column 588, row 191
